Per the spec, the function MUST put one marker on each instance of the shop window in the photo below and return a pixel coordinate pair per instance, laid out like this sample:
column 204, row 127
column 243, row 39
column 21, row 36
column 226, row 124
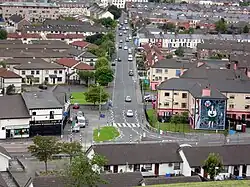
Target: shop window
column 225, row 169
column 33, row 113
column 106, row 168
column 21, row 132
column 177, row 166
column 148, row 167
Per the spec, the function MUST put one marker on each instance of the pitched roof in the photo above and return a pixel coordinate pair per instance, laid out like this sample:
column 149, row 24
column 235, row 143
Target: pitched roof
column 171, row 180
column 14, row 107
column 2, row 182
column 81, row 44
column 4, row 73
column 112, row 180
column 68, row 62
column 83, row 66
column 173, row 63
column 16, row 18
column 36, row 64
column 88, row 55
column 136, row 153
column 230, row 154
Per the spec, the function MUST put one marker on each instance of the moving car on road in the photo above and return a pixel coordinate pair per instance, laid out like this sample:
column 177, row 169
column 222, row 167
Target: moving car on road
column 76, row 106
column 119, row 59
column 129, row 113
column 129, row 51
column 130, row 37
column 120, row 34
column 125, row 47
column 120, row 46
column 80, row 114
column 131, row 73
column 128, row 99
column 127, row 40
column 121, row 41
column 125, row 21
column 130, row 57
column 125, row 32
column 81, row 121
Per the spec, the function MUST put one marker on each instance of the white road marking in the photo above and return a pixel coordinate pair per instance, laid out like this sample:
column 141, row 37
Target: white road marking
column 124, row 125
column 114, row 125
column 128, row 125
column 119, row 125
column 138, row 125
column 133, row 125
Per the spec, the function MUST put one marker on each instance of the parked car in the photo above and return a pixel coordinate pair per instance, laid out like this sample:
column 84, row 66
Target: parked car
column 81, row 121
column 119, row 59
column 128, row 99
column 80, row 113
column 43, row 86
column 131, row 73
column 76, row 106
column 130, row 113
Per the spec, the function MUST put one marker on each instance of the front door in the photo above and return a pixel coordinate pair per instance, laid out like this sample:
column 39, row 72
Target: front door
column 156, row 169
column 116, row 169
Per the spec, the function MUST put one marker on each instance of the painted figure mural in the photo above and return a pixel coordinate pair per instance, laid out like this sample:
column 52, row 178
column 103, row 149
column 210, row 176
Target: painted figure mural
column 211, row 114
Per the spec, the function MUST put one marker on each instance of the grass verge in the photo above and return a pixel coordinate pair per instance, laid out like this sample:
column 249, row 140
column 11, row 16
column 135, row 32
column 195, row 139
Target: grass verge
column 236, row 183
column 78, row 97
column 106, row 133
column 185, row 128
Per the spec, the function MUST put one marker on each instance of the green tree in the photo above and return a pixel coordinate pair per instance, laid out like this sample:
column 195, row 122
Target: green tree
column 109, row 47
column 10, row 90
column 71, row 148
column 95, row 93
column 213, row 165
column 179, row 52
column 221, row 25
column 191, row 30
column 108, row 22
column 3, row 64
column 168, row 26
column 225, row 133
column 115, row 11
column 102, row 61
column 86, row 76
column 169, row 56
column 84, row 171
column 104, row 75
column 95, row 39
column 98, row 51
column 246, row 29
column 3, row 34
column 44, row 148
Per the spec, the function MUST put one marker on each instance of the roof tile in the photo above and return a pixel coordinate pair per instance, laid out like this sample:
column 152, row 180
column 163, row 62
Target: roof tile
column 68, row 62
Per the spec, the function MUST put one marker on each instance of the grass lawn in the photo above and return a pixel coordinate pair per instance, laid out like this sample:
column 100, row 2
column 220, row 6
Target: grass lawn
column 106, row 133
column 234, row 183
column 78, row 97
column 174, row 127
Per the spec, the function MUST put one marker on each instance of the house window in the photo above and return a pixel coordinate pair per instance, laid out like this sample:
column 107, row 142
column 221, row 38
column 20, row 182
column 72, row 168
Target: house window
column 166, row 71
column 231, row 97
column 166, row 78
column 247, row 97
column 51, row 115
column 176, row 103
column 166, row 104
column 60, row 71
column 37, row 72
column 231, row 106
column 55, row 71
column 177, row 166
column 32, row 72
column 33, row 113
column 136, row 167
column 23, row 72
column 183, row 105
column 225, row 169
column 166, row 94
column 106, row 168
column 184, row 95
column 148, row 167
column 248, row 116
column 47, row 71
column 158, row 70
column 247, row 106
column 59, row 79
column 176, row 93
column 46, row 79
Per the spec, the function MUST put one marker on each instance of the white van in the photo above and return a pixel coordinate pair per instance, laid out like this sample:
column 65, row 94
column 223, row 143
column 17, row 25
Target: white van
column 81, row 121
column 130, row 57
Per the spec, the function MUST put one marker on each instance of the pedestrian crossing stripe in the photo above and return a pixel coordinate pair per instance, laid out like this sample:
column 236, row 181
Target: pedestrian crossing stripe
column 130, row 125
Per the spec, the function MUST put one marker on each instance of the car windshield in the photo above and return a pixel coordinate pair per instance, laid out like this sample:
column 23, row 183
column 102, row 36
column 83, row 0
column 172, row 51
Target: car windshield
column 81, row 121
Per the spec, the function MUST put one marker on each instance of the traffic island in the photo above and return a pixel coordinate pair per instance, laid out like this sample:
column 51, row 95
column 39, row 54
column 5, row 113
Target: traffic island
column 105, row 134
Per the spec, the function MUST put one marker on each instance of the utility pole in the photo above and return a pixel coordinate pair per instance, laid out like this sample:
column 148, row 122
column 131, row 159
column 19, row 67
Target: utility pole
column 71, row 133
column 99, row 110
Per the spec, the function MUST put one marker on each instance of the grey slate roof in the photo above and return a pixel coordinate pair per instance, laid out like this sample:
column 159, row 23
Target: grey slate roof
column 173, row 63
column 138, row 153
column 16, row 18
column 36, row 64
column 230, row 154
column 233, row 86
column 13, row 107
column 41, row 100
column 171, row 180
column 87, row 55
column 204, row 73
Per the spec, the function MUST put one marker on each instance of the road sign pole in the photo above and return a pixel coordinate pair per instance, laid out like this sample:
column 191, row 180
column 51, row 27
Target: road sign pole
column 71, row 133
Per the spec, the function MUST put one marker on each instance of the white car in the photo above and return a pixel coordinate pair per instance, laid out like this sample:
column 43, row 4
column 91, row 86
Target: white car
column 125, row 47
column 128, row 99
column 130, row 37
column 130, row 113
column 125, row 32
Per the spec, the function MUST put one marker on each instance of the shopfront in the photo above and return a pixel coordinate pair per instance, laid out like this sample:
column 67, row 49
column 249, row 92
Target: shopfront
column 17, row 131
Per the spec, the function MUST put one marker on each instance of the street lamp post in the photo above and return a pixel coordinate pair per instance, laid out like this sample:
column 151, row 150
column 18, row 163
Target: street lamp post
column 100, row 99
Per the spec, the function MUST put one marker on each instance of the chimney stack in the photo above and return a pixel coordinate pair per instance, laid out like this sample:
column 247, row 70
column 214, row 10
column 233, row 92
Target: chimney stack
column 206, row 92
column 235, row 65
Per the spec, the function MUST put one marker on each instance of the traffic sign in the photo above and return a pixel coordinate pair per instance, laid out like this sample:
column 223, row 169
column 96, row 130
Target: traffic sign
column 102, row 115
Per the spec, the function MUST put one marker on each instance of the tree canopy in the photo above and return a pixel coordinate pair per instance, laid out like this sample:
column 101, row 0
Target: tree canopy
column 81, row 173
column 95, row 39
column 213, row 165
column 108, row 22
column 104, row 75
column 86, row 76
column 3, row 34
column 221, row 25
column 102, row 61
column 246, row 29
column 115, row 11
column 95, row 93
column 179, row 52
column 44, row 148
column 71, row 148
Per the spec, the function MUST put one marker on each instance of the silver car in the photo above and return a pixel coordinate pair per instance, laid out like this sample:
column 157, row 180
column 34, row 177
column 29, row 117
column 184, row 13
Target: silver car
column 128, row 99
column 130, row 113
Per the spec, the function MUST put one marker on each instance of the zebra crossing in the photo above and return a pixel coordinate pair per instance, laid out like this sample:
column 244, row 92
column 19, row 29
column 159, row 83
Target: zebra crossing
column 129, row 125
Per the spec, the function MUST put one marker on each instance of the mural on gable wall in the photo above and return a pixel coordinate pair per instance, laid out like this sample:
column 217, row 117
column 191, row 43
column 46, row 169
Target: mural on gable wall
column 211, row 114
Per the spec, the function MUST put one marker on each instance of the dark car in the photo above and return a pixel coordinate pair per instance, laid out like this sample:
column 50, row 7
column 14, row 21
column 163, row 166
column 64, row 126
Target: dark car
column 120, row 46
column 43, row 86
column 113, row 63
